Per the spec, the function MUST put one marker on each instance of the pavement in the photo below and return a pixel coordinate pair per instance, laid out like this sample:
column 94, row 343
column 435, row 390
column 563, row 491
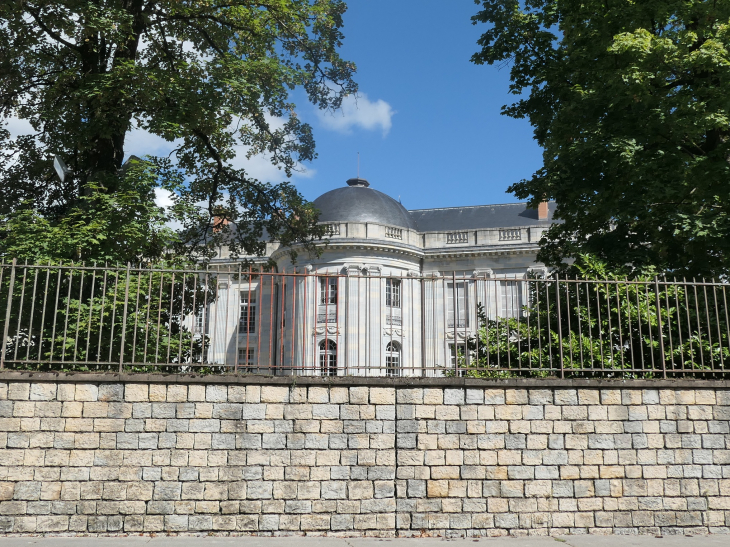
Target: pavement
column 252, row 541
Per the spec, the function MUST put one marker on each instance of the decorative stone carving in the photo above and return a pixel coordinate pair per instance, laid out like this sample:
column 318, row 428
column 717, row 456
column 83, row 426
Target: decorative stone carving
column 487, row 273
column 351, row 270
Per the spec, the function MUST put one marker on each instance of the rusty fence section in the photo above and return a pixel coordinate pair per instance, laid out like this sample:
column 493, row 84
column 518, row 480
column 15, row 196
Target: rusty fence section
column 365, row 322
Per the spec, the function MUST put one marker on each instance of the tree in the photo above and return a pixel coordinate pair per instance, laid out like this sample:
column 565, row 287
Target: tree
column 207, row 75
column 604, row 326
column 630, row 102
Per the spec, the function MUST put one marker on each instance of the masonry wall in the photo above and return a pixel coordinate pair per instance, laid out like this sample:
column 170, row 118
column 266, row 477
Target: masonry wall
column 106, row 457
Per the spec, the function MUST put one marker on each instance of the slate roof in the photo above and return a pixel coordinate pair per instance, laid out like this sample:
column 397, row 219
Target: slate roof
column 362, row 204
column 479, row 217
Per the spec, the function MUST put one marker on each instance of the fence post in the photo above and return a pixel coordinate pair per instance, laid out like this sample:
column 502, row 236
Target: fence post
column 7, row 314
column 661, row 330
column 560, row 325
column 124, row 321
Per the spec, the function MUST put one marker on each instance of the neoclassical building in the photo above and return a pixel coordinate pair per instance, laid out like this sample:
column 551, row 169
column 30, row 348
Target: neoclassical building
column 393, row 293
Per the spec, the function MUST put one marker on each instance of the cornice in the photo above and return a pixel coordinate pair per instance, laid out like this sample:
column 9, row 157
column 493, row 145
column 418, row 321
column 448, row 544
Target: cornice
column 392, row 247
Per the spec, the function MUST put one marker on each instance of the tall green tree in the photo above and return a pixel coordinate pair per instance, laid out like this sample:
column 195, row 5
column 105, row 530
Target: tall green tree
column 630, row 101
column 207, row 75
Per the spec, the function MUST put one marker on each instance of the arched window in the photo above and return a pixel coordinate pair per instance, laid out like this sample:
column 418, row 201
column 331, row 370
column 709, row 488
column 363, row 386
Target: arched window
column 392, row 359
column 328, row 358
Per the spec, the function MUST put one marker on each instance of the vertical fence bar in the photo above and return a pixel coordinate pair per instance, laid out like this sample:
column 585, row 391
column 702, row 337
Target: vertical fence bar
column 169, row 318
column 548, row 313
column 661, row 331
column 669, row 321
column 709, row 325
column 136, row 317
column 727, row 319
column 610, row 324
column 124, row 320
column 159, row 320
column 32, row 313
column 66, row 314
column 147, row 318
column 560, row 326
column 699, row 326
column 237, row 319
column 717, row 323
column 7, row 314
column 567, row 313
column 55, row 311
column 180, row 321
column 679, row 322
column 539, row 322
column 194, row 319
column 206, row 289
column 43, row 314
column 114, row 311
column 78, row 311
column 20, row 312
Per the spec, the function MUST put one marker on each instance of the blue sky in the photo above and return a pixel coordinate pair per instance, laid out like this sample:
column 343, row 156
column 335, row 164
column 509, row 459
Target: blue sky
column 448, row 144
column 427, row 121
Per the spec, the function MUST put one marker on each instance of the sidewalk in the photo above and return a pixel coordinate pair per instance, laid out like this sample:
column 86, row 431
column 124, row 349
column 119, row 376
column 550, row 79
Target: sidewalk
column 249, row 541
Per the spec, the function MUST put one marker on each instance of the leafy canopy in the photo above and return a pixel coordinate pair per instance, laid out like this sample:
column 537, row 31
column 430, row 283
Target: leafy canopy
column 630, row 102
column 206, row 75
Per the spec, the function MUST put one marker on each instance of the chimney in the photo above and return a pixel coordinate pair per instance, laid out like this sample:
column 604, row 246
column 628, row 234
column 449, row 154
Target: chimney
column 542, row 210
column 218, row 223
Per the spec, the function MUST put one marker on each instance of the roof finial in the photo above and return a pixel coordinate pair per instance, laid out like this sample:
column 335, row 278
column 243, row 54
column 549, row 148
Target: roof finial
column 358, row 181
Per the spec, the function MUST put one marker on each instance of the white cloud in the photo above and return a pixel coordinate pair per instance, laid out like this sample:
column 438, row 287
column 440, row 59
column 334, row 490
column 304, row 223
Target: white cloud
column 359, row 111
column 140, row 142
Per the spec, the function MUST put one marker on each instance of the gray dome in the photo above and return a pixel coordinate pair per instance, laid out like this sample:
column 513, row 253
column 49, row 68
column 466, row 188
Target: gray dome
column 358, row 203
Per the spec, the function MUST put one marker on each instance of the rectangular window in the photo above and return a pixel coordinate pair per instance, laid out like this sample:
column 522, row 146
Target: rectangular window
column 456, row 300
column 198, row 322
column 247, row 321
column 392, row 293
column 246, row 359
column 328, row 290
column 510, row 299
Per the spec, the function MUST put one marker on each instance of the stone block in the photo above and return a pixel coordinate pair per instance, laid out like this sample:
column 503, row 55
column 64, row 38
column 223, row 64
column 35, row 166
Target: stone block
column 132, row 393
column 515, row 396
column 382, row 396
column 566, row 397
column 42, row 392
column 454, row 396
column 18, row 391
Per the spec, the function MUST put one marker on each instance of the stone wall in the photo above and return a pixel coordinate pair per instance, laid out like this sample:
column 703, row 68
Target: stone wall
column 262, row 458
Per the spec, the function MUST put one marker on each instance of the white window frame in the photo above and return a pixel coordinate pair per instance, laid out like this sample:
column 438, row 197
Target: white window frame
column 393, row 359
column 393, row 292
column 247, row 312
column 510, row 298
column 462, row 304
column 327, row 357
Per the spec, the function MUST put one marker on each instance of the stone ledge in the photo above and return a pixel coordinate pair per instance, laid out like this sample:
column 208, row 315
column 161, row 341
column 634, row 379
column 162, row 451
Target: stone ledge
column 253, row 379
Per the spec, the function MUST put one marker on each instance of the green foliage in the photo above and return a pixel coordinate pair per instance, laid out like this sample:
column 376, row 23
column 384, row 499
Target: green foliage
column 629, row 101
column 607, row 326
column 88, row 319
column 123, row 226
column 207, row 76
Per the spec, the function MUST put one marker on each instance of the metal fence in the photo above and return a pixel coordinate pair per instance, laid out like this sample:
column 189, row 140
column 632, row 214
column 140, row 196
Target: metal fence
column 231, row 319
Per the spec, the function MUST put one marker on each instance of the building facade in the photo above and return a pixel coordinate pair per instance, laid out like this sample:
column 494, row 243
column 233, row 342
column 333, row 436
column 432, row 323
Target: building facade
column 393, row 293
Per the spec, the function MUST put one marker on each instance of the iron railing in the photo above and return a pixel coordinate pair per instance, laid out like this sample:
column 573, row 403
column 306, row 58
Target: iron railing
column 231, row 318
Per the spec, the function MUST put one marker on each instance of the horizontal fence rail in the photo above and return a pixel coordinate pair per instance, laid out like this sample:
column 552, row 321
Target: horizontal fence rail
column 231, row 319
